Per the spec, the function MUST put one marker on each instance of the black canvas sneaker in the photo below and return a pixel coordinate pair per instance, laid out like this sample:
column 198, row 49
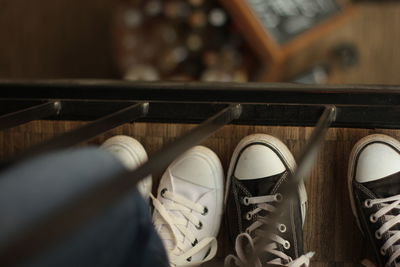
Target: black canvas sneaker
column 374, row 186
column 260, row 165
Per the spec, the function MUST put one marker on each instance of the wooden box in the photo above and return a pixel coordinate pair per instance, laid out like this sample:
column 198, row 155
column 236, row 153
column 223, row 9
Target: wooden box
column 277, row 29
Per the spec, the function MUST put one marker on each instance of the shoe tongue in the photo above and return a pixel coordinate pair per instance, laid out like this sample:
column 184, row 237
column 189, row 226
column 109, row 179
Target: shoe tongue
column 261, row 186
column 189, row 191
column 385, row 187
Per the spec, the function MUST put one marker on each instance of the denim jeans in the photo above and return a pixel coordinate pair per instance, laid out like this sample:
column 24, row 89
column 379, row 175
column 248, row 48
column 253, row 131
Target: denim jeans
column 122, row 235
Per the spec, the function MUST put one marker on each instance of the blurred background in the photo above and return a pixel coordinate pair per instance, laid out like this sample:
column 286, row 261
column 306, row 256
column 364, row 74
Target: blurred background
column 307, row 41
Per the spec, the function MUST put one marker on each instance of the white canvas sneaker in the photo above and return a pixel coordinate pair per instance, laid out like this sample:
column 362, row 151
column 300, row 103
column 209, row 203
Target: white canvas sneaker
column 188, row 207
column 132, row 154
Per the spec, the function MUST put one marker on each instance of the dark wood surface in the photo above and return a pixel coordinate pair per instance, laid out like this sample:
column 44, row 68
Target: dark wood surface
column 330, row 229
column 56, row 39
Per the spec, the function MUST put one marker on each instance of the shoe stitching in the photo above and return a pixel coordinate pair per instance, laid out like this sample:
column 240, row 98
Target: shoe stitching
column 364, row 189
column 294, row 230
column 247, row 193
column 244, row 189
column 366, row 221
column 280, row 181
column 238, row 210
column 370, row 194
column 277, row 185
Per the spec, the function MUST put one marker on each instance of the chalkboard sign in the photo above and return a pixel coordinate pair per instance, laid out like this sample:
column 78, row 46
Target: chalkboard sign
column 285, row 19
column 279, row 29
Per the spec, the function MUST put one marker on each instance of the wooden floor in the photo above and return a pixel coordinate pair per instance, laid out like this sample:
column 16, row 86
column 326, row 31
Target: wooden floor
column 330, row 229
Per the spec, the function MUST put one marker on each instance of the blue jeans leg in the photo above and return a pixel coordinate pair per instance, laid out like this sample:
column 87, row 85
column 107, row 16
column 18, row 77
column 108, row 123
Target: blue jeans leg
column 122, row 235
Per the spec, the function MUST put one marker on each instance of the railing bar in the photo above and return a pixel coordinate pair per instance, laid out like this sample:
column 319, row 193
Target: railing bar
column 29, row 114
column 289, row 189
column 203, row 92
column 68, row 218
column 87, row 131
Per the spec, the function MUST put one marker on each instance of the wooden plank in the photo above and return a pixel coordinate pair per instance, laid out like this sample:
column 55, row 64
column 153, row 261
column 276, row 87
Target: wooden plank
column 56, row 39
column 330, row 228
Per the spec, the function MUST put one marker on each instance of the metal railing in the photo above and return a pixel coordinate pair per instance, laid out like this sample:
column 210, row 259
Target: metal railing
column 108, row 104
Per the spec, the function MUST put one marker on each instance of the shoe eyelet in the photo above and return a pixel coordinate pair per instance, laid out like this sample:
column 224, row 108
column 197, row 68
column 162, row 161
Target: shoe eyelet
column 282, row 228
column 248, row 216
column 278, row 197
column 378, row 235
column 163, row 192
column 245, row 201
column 373, row 218
column 205, row 211
column 198, row 227
column 195, row 242
column 367, row 203
column 189, row 259
column 383, row 251
column 286, row 245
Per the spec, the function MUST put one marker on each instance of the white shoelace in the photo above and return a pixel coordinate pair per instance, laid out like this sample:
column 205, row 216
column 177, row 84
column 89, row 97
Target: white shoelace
column 263, row 204
column 177, row 227
column 387, row 205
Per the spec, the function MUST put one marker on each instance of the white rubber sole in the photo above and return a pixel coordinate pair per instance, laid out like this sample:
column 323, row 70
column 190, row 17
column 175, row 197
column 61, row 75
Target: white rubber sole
column 284, row 153
column 353, row 155
column 138, row 154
